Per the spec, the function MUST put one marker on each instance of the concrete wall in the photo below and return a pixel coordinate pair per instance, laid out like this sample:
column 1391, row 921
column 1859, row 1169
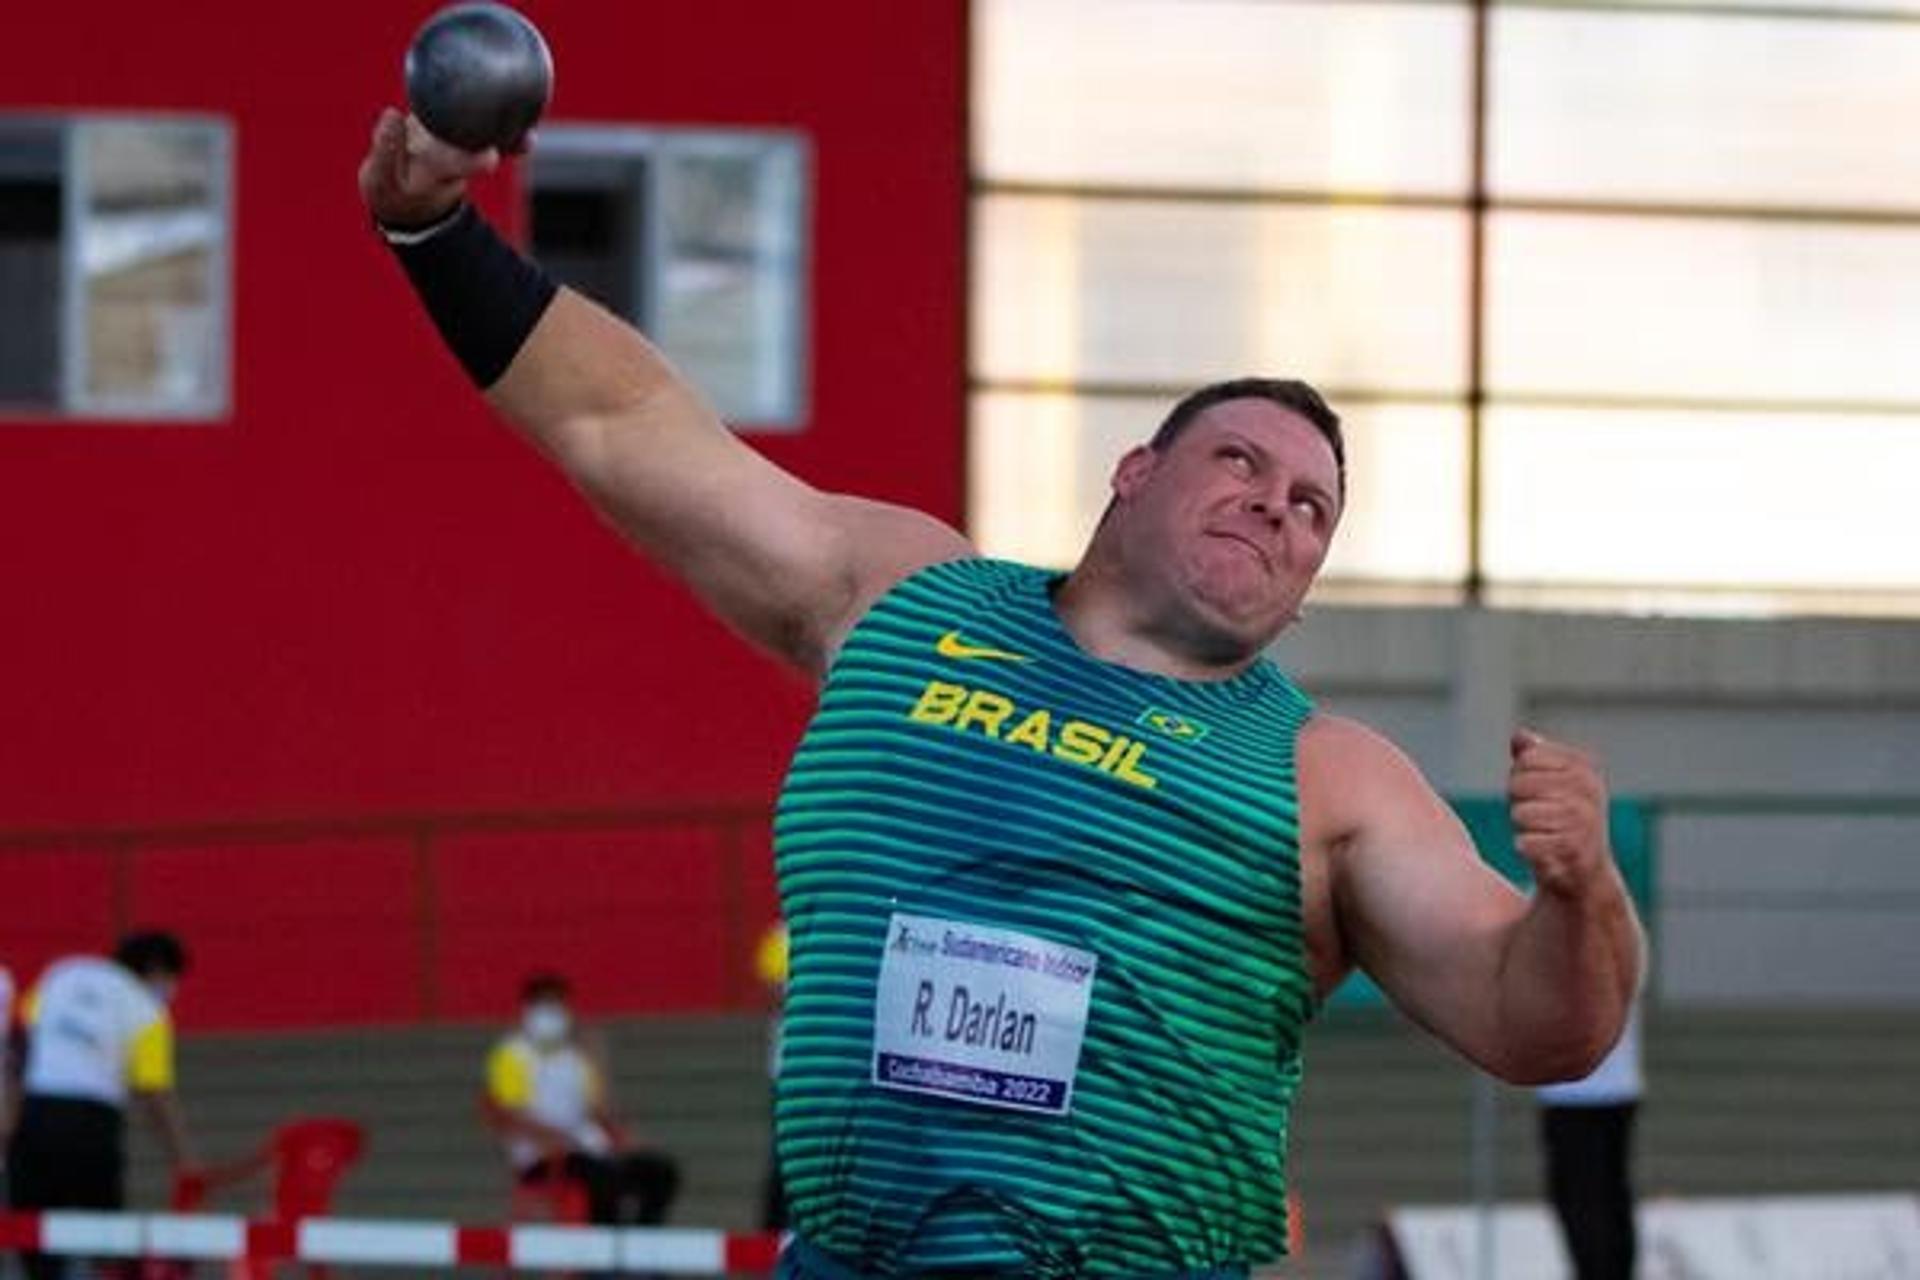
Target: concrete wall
column 1784, row 757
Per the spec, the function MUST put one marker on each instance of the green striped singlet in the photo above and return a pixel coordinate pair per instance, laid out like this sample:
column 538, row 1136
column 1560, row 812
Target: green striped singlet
column 969, row 764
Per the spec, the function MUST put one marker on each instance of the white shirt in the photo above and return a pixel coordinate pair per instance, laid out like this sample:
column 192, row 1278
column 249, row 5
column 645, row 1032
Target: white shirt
column 1616, row 1080
column 556, row 1085
column 96, row 1031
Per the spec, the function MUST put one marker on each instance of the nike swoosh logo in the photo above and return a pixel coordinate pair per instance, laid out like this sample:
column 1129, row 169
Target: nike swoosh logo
column 951, row 645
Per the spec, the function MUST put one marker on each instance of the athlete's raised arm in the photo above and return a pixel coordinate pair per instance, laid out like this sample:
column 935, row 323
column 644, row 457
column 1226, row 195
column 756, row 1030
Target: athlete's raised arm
column 789, row 566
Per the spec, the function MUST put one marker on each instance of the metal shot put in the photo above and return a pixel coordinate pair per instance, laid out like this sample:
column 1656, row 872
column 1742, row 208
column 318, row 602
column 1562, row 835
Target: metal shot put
column 478, row 76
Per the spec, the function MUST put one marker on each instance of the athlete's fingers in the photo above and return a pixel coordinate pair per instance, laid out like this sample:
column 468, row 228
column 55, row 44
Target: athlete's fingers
column 1533, row 784
column 1531, row 750
column 1549, row 816
column 442, row 161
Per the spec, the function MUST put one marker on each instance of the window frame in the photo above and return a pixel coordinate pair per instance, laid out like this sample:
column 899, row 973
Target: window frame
column 74, row 401
column 655, row 147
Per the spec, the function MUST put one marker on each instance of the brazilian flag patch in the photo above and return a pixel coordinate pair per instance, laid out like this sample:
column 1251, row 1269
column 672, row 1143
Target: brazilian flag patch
column 1169, row 725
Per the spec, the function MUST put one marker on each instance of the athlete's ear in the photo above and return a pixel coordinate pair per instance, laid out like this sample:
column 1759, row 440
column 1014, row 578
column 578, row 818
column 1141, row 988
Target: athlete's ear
column 1132, row 470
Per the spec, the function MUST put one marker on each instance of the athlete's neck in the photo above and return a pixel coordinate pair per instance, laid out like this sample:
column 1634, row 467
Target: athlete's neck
column 1099, row 611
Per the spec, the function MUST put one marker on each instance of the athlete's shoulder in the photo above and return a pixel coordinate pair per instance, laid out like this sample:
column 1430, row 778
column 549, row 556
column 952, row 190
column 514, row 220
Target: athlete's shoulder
column 1345, row 747
column 975, row 568
column 1280, row 686
column 968, row 582
column 1354, row 778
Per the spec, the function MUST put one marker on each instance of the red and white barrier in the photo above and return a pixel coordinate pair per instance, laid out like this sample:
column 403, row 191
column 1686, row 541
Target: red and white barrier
column 367, row 1242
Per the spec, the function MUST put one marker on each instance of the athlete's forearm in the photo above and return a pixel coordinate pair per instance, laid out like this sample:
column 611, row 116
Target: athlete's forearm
column 585, row 384
column 1567, row 976
column 550, row 360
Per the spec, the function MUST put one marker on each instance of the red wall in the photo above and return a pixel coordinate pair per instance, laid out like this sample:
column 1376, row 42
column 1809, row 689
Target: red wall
column 361, row 597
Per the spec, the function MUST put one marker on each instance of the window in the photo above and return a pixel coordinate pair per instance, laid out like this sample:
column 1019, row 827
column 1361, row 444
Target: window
column 698, row 237
column 114, row 236
column 1630, row 329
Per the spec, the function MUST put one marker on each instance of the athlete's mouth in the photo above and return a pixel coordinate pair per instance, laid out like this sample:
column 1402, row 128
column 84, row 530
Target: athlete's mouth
column 1265, row 556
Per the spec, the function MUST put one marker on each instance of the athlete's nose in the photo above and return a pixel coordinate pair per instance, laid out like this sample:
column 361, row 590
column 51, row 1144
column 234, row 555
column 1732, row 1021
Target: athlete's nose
column 1262, row 503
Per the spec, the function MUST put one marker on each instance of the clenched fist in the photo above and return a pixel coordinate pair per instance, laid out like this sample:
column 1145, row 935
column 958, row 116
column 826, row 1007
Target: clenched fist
column 410, row 178
column 1558, row 802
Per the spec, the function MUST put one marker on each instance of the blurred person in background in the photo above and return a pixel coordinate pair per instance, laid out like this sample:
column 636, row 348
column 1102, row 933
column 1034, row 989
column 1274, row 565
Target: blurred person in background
column 1586, row 1137
column 9, row 1068
column 98, row 1035
column 770, row 960
column 546, row 1096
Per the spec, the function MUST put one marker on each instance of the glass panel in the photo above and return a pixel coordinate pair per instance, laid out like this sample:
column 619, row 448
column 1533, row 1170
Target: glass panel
column 31, row 167
column 1165, row 293
column 1652, row 307
column 727, row 296
column 1688, row 109
column 1040, row 463
column 697, row 237
column 1406, row 518
column 587, row 222
column 1820, row 10
column 1707, row 500
column 1221, row 93
column 1038, row 466
column 152, row 256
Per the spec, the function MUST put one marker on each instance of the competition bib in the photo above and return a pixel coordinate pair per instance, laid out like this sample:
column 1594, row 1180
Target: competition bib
column 979, row 1014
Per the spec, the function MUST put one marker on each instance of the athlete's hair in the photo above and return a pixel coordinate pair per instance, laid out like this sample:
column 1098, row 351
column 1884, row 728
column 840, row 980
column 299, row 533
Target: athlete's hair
column 545, row 985
column 151, row 953
column 1290, row 394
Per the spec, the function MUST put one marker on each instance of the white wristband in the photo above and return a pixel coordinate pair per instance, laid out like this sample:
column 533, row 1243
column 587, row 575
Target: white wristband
column 404, row 236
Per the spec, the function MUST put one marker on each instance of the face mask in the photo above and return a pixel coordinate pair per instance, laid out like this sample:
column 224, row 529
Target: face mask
column 546, row 1023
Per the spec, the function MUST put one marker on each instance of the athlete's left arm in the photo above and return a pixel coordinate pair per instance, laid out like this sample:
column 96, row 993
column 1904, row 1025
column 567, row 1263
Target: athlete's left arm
column 1531, row 989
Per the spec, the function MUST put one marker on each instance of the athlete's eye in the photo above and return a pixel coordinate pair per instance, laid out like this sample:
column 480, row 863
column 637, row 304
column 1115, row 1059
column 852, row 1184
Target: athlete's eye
column 1237, row 458
column 1314, row 508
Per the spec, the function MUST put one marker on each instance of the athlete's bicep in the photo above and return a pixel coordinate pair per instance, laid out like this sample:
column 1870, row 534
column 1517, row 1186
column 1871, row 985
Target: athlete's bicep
column 1414, row 905
column 780, row 561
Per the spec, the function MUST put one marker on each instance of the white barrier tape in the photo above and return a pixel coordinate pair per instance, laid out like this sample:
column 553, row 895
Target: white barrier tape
column 199, row 1237
column 99, row 1235
column 673, row 1252
column 586, row 1248
column 220, row 1237
column 415, row 1244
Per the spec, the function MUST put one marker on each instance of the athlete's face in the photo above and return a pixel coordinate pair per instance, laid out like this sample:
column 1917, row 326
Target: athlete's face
column 1234, row 516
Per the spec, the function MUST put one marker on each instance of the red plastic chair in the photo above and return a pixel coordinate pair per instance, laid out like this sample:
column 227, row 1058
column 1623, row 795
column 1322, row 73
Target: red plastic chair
column 308, row 1157
column 559, row 1200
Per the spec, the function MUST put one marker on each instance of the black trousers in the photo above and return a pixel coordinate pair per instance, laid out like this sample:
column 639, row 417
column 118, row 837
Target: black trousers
column 1588, row 1151
column 66, row 1153
column 631, row 1187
